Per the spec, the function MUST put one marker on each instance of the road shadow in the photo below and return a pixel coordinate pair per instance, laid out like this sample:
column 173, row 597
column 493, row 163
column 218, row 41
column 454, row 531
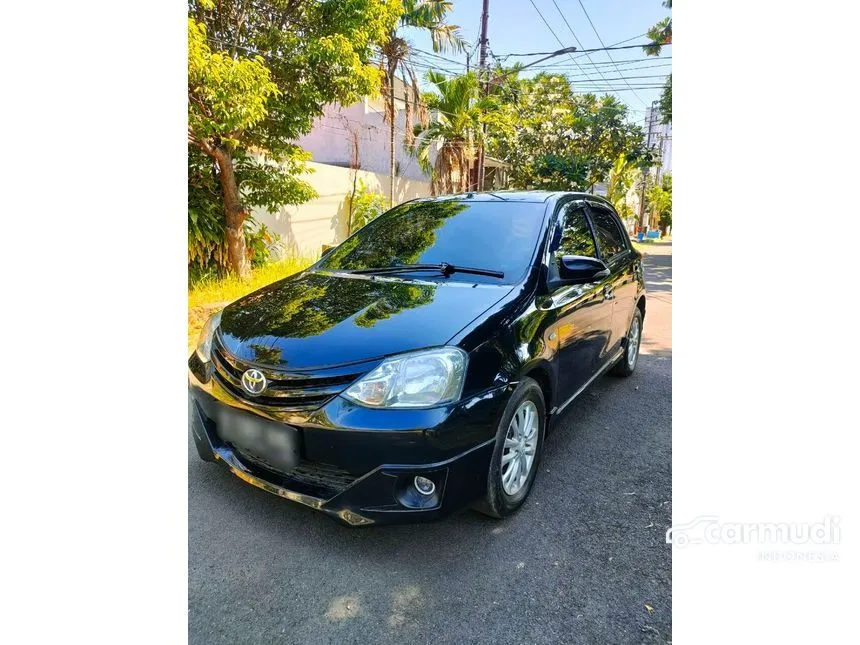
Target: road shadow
column 658, row 273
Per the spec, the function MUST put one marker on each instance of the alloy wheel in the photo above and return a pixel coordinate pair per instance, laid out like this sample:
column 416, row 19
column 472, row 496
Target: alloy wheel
column 633, row 337
column 520, row 447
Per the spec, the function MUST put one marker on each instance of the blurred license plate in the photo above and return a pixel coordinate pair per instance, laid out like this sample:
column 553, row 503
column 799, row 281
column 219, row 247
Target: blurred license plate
column 274, row 442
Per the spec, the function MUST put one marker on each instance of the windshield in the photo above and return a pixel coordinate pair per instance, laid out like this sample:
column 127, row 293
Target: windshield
column 486, row 235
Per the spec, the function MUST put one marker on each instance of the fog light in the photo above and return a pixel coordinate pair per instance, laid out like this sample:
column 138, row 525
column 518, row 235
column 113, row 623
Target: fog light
column 424, row 486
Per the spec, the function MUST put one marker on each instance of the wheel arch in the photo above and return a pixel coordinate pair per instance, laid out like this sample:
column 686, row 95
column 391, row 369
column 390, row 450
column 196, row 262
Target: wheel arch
column 542, row 374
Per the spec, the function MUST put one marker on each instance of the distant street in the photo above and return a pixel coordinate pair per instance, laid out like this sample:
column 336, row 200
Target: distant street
column 584, row 561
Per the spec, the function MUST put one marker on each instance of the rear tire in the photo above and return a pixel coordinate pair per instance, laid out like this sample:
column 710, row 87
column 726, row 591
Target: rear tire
column 627, row 362
column 516, row 457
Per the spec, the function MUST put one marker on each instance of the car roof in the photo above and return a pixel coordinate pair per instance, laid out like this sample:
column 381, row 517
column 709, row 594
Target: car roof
column 534, row 196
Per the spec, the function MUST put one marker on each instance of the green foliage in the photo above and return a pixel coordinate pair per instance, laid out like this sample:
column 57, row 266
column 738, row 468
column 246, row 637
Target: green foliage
column 431, row 15
column 227, row 95
column 259, row 240
column 207, row 249
column 666, row 102
column 396, row 53
column 315, row 52
column 621, row 179
column 366, row 206
column 456, row 131
column 659, row 200
column 557, row 140
column 661, row 34
column 268, row 185
column 259, row 73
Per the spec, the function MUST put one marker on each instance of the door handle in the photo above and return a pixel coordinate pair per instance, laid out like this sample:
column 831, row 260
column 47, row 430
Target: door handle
column 608, row 292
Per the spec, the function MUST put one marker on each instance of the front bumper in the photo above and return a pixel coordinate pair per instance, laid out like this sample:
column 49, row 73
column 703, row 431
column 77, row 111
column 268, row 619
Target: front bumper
column 356, row 464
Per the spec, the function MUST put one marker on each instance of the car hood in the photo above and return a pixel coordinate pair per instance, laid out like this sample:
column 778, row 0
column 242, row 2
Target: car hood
column 320, row 319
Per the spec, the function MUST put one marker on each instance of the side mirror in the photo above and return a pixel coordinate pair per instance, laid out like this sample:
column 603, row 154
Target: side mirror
column 579, row 269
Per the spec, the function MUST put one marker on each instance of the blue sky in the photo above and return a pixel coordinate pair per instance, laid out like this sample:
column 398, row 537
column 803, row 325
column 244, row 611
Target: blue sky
column 515, row 26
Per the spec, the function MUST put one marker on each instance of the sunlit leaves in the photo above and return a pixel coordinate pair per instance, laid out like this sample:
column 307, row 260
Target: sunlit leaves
column 659, row 200
column 455, row 132
column 365, row 205
column 557, row 140
column 226, row 95
column 430, row 15
column 661, row 34
column 259, row 73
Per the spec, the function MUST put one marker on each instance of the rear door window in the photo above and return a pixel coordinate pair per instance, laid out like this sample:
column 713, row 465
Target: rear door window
column 610, row 237
column 574, row 235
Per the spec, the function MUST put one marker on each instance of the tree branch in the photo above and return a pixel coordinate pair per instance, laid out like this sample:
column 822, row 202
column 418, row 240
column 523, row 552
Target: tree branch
column 205, row 146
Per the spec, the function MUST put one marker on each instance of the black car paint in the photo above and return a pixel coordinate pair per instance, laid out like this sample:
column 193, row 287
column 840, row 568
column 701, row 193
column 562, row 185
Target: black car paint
column 319, row 321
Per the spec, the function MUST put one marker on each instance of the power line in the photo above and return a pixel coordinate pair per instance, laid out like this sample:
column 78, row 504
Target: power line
column 556, row 35
column 586, row 51
column 597, row 90
column 621, row 42
column 605, row 63
column 602, row 44
column 573, row 33
column 570, row 70
column 428, row 66
column 621, row 78
column 631, row 66
column 434, row 55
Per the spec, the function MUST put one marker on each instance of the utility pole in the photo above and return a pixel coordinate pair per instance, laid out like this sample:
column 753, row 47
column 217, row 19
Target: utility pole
column 649, row 121
column 482, row 71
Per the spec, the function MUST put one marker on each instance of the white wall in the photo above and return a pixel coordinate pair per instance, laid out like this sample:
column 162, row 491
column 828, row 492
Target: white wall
column 330, row 140
column 305, row 228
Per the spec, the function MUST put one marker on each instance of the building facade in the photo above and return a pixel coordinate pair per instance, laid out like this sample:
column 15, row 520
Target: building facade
column 356, row 136
column 659, row 136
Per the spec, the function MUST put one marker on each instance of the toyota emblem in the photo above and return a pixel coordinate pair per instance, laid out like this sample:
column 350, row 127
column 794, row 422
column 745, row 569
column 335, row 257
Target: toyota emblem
column 254, row 381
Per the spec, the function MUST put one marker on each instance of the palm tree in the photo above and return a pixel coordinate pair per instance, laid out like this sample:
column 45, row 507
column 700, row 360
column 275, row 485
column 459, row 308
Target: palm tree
column 456, row 131
column 396, row 52
column 661, row 34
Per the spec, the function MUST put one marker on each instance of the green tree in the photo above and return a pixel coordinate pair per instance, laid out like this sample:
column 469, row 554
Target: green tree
column 456, row 131
column 659, row 200
column 365, row 205
column 396, row 50
column 557, row 140
column 621, row 179
column 259, row 72
column 661, row 34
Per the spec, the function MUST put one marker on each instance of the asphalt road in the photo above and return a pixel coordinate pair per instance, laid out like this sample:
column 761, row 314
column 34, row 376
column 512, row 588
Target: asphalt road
column 584, row 561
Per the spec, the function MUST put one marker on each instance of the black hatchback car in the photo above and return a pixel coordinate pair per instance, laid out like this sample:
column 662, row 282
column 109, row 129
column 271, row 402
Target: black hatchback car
column 416, row 368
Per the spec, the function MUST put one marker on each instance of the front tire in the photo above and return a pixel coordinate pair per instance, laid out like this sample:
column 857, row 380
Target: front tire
column 516, row 458
column 627, row 363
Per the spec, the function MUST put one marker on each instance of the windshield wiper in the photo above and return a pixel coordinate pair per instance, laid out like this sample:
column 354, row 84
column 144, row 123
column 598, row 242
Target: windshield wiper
column 444, row 268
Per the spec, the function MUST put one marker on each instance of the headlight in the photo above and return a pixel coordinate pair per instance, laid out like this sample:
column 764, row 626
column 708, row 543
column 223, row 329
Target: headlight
column 416, row 380
column 204, row 345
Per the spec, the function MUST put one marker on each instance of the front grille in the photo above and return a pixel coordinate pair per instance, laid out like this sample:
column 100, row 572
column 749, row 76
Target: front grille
column 298, row 390
column 309, row 478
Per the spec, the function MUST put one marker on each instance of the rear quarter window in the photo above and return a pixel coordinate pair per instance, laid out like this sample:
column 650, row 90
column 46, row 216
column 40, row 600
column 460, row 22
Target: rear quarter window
column 610, row 237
